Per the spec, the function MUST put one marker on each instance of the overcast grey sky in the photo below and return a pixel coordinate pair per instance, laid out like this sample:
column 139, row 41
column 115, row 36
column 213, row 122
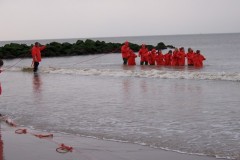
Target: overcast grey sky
column 52, row 19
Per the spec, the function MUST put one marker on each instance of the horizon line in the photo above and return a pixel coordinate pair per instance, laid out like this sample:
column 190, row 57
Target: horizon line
column 119, row 36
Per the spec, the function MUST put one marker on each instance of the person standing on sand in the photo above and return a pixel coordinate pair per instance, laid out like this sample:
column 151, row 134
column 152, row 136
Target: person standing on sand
column 36, row 55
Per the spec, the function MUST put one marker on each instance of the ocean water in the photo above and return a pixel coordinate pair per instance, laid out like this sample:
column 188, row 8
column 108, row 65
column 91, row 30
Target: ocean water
column 183, row 109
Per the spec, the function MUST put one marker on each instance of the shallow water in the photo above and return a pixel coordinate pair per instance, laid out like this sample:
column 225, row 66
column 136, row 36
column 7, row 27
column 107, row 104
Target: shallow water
column 183, row 109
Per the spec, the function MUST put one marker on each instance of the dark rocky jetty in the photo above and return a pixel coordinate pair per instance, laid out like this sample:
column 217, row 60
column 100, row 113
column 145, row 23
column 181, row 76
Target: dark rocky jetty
column 55, row 49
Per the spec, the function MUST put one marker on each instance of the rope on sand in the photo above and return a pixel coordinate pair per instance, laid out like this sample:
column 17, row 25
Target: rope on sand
column 62, row 147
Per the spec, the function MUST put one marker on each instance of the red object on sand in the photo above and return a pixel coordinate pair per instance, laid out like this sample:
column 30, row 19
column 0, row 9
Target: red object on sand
column 21, row 131
column 43, row 135
column 64, row 149
column 10, row 122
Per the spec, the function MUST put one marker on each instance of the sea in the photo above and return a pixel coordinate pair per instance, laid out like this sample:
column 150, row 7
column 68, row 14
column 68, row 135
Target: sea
column 182, row 109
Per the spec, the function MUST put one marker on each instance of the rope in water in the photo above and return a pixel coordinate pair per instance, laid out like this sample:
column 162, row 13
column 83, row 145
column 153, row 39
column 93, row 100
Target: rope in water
column 104, row 54
column 17, row 62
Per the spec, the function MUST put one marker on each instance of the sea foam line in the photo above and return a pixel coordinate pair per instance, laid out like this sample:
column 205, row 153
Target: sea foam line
column 153, row 73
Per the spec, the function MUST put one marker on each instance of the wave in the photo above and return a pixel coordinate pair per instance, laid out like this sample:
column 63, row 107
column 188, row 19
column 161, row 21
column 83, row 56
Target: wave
column 141, row 73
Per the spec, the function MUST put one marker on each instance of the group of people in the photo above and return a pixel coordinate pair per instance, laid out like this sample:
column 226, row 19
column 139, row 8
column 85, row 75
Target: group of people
column 156, row 57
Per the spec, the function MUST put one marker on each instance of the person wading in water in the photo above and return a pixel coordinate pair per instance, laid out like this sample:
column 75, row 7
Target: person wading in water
column 36, row 55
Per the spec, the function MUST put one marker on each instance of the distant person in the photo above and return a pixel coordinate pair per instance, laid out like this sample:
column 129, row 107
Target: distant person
column 131, row 58
column 168, row 58
column 160, row 58
column 36, row 55
column 143, row 54
column 190, row 56
column 182, row 56
column 198, row 59
column 125, row 52
column 1, row 64
column 152, row 57
column 175, row 57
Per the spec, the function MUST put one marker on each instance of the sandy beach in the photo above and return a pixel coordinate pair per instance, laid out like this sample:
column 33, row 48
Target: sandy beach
column 26, row 146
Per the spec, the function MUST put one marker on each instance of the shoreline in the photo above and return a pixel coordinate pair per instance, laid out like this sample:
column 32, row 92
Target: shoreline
column 26, row 146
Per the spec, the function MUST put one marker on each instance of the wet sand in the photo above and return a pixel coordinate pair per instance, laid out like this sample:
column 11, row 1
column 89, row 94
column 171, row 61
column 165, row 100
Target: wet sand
column 26, row 146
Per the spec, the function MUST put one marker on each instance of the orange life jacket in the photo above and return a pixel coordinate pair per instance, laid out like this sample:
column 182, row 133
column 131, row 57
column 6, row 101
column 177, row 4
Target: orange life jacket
column 190, row 56
column 143, row 53
column 181, row 60
column 152, row 57
column 175, row 58
column 131, row 58
column 36, row 53
column 124, row 51
column 198, row 60
column 160, row 59
column 168, row 59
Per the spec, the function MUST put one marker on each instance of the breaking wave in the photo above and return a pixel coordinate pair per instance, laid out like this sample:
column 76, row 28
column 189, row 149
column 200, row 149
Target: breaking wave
column 150, row 73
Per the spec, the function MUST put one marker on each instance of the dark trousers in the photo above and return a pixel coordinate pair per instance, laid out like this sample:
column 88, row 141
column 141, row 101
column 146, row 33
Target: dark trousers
column 124, row 61
column 35, row 66
column 142, row 63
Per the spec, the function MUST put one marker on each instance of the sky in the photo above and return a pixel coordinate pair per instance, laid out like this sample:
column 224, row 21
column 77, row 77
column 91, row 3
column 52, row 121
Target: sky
column 60, row 19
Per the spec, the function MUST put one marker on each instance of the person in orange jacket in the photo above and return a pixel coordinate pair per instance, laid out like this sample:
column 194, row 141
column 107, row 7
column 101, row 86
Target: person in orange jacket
column 36, row 55
column 198, row 59
column 168, row 58
column 152, row 57
column 175, row 57
column 190, row 56
column 125, row 51
column 143, row 54
column 131, row 58
column 160, row 58
column 182, row 56
column 1, row 64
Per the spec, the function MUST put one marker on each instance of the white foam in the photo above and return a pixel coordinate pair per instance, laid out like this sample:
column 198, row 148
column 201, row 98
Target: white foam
column 153, row 73
column 141, row 73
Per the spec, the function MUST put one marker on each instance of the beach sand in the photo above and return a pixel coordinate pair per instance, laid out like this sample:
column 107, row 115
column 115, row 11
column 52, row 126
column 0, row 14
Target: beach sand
column 28, row 147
